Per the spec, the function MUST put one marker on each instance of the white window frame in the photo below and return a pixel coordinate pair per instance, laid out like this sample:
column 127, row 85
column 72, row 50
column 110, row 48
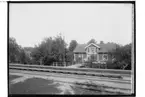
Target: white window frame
column 93, row 50
column 104, row 58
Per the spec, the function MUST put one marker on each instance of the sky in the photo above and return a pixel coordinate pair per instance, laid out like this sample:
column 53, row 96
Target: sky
column 30, row 23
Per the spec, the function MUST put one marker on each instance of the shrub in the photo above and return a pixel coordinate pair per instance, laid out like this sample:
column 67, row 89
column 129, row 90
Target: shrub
column 94, row 65
column 114, row 65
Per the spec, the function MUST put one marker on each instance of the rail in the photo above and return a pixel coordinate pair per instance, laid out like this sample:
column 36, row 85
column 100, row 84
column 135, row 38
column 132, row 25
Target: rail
column 82, row 71
column 126, row 72
column 105, row 75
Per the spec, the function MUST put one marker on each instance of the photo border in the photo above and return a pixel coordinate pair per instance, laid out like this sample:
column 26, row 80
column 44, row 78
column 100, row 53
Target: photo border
column 108, row 2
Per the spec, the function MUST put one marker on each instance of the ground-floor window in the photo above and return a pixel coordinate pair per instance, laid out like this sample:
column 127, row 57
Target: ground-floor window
column 105, row 57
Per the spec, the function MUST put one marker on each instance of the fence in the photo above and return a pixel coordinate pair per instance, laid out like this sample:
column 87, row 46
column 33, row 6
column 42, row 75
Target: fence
column 62, row 64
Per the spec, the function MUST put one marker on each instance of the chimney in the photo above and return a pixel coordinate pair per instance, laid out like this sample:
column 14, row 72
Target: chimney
column 101, row 42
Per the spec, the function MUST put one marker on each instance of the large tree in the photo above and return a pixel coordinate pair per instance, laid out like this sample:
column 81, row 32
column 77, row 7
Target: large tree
column 72, row 45
column 70, row 50
column 50, row 50
column 16, row 53
column 14, row 50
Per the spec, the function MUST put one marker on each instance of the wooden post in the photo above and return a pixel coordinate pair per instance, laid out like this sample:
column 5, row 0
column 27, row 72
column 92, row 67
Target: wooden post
column 74, row 57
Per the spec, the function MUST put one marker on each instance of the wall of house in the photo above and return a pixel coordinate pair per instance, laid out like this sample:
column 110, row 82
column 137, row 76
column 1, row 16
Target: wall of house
column 84, row 56
column 109, row 57
column 91, row 50
column 100, row 57
column 80, row 57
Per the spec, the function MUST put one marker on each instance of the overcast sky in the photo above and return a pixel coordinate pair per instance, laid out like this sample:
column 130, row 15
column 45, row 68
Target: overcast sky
column 31, row 23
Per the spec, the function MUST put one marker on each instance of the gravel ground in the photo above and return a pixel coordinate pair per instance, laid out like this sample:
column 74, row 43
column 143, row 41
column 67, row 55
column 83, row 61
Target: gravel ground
column 20, row 83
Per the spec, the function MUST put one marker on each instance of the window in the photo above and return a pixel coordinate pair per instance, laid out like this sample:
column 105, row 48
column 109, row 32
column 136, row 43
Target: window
column 105, row 57
column 93, row 50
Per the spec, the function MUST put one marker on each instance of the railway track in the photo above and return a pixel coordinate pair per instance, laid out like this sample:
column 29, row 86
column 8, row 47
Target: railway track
column 117, row 78
column 122, row 72
column 111, row 74
column 122, row 86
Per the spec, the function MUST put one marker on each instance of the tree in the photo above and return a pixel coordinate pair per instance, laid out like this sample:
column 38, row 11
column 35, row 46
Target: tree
column 16, row 53
column 92, row 41
column 122, row 55
column 50, row 50
column 24, row 58
column 36, row 55
column 70, row 50
column 14, row 50
column 72, row 45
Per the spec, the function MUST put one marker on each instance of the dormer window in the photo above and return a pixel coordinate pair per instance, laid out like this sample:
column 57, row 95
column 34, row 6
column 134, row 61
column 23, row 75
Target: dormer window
column 93, row 50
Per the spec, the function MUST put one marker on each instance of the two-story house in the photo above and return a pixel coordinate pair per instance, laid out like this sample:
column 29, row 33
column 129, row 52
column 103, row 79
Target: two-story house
column 84, row 52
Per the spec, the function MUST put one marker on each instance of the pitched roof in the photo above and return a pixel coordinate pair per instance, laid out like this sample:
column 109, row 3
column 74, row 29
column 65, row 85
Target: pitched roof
column 80, row 48
column 92, row 44
column 107, row 46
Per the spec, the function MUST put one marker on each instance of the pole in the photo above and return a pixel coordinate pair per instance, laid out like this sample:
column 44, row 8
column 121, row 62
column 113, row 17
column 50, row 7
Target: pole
column 64, row 50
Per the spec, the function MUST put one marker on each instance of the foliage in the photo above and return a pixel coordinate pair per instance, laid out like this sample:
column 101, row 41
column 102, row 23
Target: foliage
column 69, row 51
column 14, row 50
column 50, row 50
column 54, row 50
column 92, row 41
column 122, row 57
column 72, row 45
column 24, row 58
column 16, row 53
column 90, row 64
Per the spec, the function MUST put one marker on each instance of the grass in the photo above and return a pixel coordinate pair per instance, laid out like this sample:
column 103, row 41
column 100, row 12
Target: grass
column 34, row 86
column 45, row 86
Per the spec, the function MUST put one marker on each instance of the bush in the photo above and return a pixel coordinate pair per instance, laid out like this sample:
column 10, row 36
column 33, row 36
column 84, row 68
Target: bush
column 48, row 60
column 110, row 65
column 114, row 65
column 94, row 65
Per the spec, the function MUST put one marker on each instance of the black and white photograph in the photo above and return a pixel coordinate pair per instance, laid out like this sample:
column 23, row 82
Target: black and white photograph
column 71, row 48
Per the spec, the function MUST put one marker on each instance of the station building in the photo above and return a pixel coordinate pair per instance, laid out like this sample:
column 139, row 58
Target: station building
column 100, row 52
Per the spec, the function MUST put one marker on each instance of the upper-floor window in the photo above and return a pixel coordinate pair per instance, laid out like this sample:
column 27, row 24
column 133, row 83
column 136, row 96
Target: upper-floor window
column 93, row 50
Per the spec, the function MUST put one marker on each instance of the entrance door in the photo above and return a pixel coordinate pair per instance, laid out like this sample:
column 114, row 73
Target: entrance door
column 93, row 57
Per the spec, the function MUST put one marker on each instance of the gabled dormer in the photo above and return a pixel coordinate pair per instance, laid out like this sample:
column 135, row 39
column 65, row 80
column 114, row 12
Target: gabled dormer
column 92, row 48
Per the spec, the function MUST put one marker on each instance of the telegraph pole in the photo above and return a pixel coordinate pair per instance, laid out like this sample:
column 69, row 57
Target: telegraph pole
column 64, row 51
